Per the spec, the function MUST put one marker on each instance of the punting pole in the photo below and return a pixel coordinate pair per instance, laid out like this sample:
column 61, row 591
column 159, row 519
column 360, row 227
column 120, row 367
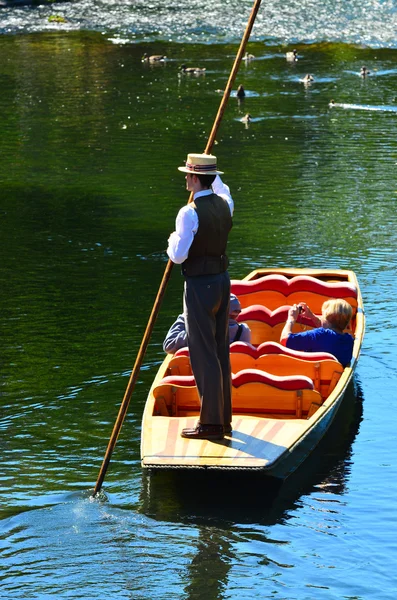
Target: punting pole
column 168, row 269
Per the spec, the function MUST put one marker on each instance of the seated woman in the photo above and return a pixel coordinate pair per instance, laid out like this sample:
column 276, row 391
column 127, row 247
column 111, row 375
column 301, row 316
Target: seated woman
column 328, row 334
column 176, row 337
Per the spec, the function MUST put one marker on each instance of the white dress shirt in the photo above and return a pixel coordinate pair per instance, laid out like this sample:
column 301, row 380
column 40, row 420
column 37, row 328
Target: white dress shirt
column 187, row 223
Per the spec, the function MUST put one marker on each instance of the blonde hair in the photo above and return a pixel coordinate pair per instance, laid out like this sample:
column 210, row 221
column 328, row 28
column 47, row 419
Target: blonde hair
column 337, row 312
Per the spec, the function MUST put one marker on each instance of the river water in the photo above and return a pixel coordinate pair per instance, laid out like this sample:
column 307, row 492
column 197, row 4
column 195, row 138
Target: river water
column 90, row 142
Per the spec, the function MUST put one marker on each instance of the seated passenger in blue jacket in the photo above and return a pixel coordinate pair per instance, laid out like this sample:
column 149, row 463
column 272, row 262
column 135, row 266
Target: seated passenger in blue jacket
column 328, row 335
column 176, row 337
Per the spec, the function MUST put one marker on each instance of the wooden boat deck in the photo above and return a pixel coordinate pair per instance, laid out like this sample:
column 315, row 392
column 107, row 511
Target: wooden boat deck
column 253, row 443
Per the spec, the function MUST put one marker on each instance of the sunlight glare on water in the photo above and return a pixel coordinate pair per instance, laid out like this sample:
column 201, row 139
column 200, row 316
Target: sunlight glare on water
column 365, row 22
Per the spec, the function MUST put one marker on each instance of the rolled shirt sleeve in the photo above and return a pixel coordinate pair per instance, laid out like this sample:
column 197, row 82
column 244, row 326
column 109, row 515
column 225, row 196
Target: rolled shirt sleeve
column 223, row 190
column 181, row 239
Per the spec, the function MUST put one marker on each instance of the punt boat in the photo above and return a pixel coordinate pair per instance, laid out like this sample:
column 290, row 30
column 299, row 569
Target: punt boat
column 284, row 401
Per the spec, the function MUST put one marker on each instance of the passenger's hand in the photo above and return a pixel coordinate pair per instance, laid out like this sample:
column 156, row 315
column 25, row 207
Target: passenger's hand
column 305, row 310
column 308, row 314
column 293, row 312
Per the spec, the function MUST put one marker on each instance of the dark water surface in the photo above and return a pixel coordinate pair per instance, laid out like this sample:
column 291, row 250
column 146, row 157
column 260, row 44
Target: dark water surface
column 89, row 144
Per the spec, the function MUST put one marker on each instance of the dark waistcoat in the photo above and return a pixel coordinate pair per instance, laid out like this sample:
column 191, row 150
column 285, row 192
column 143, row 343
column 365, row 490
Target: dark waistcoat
column 207, row 254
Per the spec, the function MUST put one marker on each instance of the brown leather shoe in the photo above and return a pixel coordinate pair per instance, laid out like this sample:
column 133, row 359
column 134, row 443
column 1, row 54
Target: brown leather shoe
column 204, row 432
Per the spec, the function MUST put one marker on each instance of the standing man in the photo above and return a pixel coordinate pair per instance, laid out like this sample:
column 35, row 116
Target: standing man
column 198, row 244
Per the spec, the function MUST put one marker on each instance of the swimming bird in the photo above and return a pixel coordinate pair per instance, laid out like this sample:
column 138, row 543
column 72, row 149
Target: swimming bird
column 292, row 56
column 364, row 72
column 307, row 79
column 240, row 92
column 246, row 118
column 154, row 58
column 192, row 70
column 248, row 56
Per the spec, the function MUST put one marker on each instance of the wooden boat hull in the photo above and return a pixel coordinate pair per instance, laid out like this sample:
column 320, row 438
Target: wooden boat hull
column 273, row 444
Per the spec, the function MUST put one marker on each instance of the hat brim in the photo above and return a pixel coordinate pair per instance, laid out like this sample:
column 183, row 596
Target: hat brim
column 185, row 170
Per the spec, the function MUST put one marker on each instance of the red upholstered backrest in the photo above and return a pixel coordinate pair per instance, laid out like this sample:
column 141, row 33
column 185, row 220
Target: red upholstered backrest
column 268, row 348
column 276, row 348
column 244, row 348
column 274, row 291
column 293, row 382
column 181, row 380
column 266, row 324
column 257, row 312
column 253, row 391
column 182, row 352
column 300, row 283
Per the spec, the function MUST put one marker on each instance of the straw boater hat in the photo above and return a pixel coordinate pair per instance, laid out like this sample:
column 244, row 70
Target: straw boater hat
column 201, row 164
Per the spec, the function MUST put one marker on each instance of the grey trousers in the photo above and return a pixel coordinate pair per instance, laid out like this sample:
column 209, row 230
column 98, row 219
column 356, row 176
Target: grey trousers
column 206, row 306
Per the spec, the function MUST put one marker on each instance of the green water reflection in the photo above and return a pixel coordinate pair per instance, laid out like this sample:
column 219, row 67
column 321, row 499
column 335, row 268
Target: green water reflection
column 90, row 141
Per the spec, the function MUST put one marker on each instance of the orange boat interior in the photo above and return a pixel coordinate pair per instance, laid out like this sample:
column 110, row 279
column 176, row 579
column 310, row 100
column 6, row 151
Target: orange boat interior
column 268, row 380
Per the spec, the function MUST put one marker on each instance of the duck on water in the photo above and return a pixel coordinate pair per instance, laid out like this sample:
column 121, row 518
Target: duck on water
column 292, row 56
column 192, row 70
column 246, row 119
column 248, row 57
column 240, row 92
column 154, row 58
column 307, row 79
